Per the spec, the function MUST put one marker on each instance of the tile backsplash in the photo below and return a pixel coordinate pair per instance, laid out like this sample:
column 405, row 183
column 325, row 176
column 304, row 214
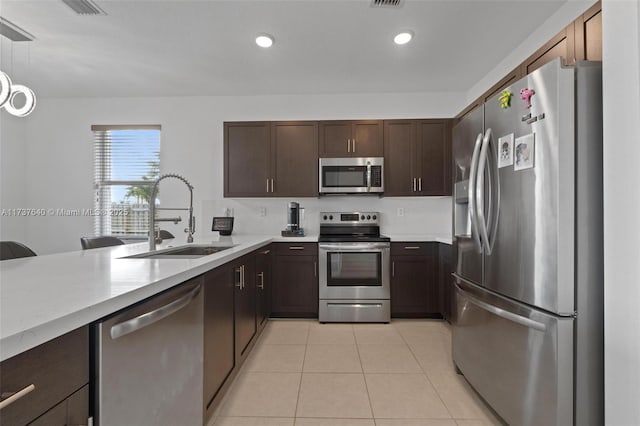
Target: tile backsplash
column 419, row 215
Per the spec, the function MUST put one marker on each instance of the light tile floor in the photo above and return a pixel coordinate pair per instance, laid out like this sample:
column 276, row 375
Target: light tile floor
column 303, row 373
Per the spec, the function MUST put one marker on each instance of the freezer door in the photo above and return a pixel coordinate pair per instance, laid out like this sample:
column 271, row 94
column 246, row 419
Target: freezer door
column 532, row 255
column 519, row 359
column 466, row 244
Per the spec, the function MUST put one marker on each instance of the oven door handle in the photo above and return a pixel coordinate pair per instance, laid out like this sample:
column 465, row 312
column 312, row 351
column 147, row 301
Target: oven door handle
column 355, row 247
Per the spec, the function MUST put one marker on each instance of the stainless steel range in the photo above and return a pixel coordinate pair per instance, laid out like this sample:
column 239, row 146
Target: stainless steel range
column 354, row 260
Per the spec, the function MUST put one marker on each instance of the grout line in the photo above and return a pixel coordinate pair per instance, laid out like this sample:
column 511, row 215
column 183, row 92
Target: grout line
column 364, row 378
column 304, row 358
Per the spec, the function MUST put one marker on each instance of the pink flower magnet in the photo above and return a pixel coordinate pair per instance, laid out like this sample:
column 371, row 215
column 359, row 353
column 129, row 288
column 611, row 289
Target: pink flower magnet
column 526, row 94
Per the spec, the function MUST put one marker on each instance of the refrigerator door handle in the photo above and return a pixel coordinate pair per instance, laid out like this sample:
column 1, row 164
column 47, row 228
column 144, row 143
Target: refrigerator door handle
column 494, row 194
column 482, row 162
column 472, row 192
column 510, row 316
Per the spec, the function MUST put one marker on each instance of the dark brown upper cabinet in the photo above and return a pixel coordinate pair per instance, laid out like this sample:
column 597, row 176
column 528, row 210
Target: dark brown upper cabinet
column 294, row 159
column 247, row 155
column 589, row 34
column 417, row 157
column 355, row 138
column 580, row 40
column 271, row 159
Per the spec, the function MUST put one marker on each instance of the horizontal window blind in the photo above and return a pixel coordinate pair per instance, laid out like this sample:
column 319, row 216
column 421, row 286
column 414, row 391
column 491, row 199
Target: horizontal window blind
column 126, row 163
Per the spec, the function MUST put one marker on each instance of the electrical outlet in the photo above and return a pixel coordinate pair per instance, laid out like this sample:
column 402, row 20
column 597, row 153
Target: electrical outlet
column 263, row 211
column 400, row 211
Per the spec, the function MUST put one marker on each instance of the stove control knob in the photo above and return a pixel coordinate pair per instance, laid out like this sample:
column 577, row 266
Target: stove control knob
column 375, row 217
column 368, row 217
column 324, row 217
column 331, row 217
column 362, row 217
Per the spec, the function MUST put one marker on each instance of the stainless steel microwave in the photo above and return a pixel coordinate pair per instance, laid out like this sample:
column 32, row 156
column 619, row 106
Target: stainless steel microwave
column 354, row 175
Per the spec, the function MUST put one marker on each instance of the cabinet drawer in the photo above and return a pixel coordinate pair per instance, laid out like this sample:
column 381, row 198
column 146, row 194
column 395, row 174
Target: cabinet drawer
column 296, row 249
column 56, row 368
column 413, row 249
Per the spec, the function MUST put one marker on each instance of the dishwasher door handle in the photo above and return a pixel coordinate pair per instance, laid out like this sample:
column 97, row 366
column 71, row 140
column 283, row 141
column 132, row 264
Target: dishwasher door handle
column 141, row 321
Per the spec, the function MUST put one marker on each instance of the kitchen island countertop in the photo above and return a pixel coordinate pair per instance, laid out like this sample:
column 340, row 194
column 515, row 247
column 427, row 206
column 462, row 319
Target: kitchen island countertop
column 44, row 297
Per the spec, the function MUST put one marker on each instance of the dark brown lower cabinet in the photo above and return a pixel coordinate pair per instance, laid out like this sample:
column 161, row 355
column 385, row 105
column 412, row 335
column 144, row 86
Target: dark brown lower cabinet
column 58, row 374
column 219, row 353
column 245, row 304
column 445, row 281
column 295, row 281
column 414, row 280
column 264, row 260
column 72, row 411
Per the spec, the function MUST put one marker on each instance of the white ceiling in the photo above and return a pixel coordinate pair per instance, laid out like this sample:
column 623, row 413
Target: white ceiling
column 169, row 48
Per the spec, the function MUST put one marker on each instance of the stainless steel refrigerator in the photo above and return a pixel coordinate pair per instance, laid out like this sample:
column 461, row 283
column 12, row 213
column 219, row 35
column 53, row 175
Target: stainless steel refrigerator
column 528, row 236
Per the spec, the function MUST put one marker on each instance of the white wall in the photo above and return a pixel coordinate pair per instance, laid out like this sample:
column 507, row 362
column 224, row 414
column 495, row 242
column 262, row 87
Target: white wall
column 621, row 93
column 12, row 178
column 59, row 157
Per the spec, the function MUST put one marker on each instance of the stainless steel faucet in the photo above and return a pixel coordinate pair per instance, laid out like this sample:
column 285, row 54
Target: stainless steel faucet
column 152, row 211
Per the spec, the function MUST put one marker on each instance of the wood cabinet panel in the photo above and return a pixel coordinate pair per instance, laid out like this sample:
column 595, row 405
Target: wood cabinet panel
column 445, row 281
column 73, row 411
column 559, row 48
column 219, row 351
column 296, row 249
column 246, row 159
column 367, row 137
column 264, row 261
column 335, row 139
column 414, row 282
column 355, row 138
column 593, row 37
column 295, row 285
column 294, row 159
column 400, row 138
column 245, row 304
column 417, row 157
column 434, row 158
column 57, row 368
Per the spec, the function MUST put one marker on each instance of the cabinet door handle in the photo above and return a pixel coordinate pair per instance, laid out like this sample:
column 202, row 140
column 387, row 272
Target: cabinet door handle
column 393, row 269
column 315, row 269
column 353, row 143
column 296, row 248
column 266, row 252
column 348, row 145
column 242, row 271
column 414, row 184
column 261, row 285
column 267, row 185
column 239, row 283
column 272, row 186
column 419, row 184
column 412, row 248
column 13, row 397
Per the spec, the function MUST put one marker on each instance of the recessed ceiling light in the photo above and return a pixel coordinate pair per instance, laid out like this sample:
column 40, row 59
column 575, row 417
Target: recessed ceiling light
column 264, row 40
column 404, row 37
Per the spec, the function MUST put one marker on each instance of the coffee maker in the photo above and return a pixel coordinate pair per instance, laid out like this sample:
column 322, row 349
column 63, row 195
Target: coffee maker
column 295, row 214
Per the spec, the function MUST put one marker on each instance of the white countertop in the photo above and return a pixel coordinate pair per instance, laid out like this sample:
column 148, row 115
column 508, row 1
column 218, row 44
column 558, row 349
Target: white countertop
column 44, row 297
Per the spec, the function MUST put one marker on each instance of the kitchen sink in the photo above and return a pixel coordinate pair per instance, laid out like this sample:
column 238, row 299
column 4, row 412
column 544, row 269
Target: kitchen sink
column 182, row 252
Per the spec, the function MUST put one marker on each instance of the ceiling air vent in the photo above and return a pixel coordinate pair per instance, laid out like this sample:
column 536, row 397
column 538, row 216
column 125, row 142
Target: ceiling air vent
column 84, row 7
column 387, row 3
column 14, row 32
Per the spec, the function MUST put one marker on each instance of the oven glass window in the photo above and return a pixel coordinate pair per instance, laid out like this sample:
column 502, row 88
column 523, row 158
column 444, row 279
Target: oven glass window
column 344, row 176
column 354, row 269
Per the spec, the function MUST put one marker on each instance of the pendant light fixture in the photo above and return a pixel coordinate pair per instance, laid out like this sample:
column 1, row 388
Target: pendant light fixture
column 8, row 94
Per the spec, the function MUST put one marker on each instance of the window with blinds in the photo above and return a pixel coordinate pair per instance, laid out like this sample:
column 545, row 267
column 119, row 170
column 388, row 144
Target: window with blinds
column 126, row 162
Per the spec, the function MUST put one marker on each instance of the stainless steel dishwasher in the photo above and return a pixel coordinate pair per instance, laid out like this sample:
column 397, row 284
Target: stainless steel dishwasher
column 149, row 361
